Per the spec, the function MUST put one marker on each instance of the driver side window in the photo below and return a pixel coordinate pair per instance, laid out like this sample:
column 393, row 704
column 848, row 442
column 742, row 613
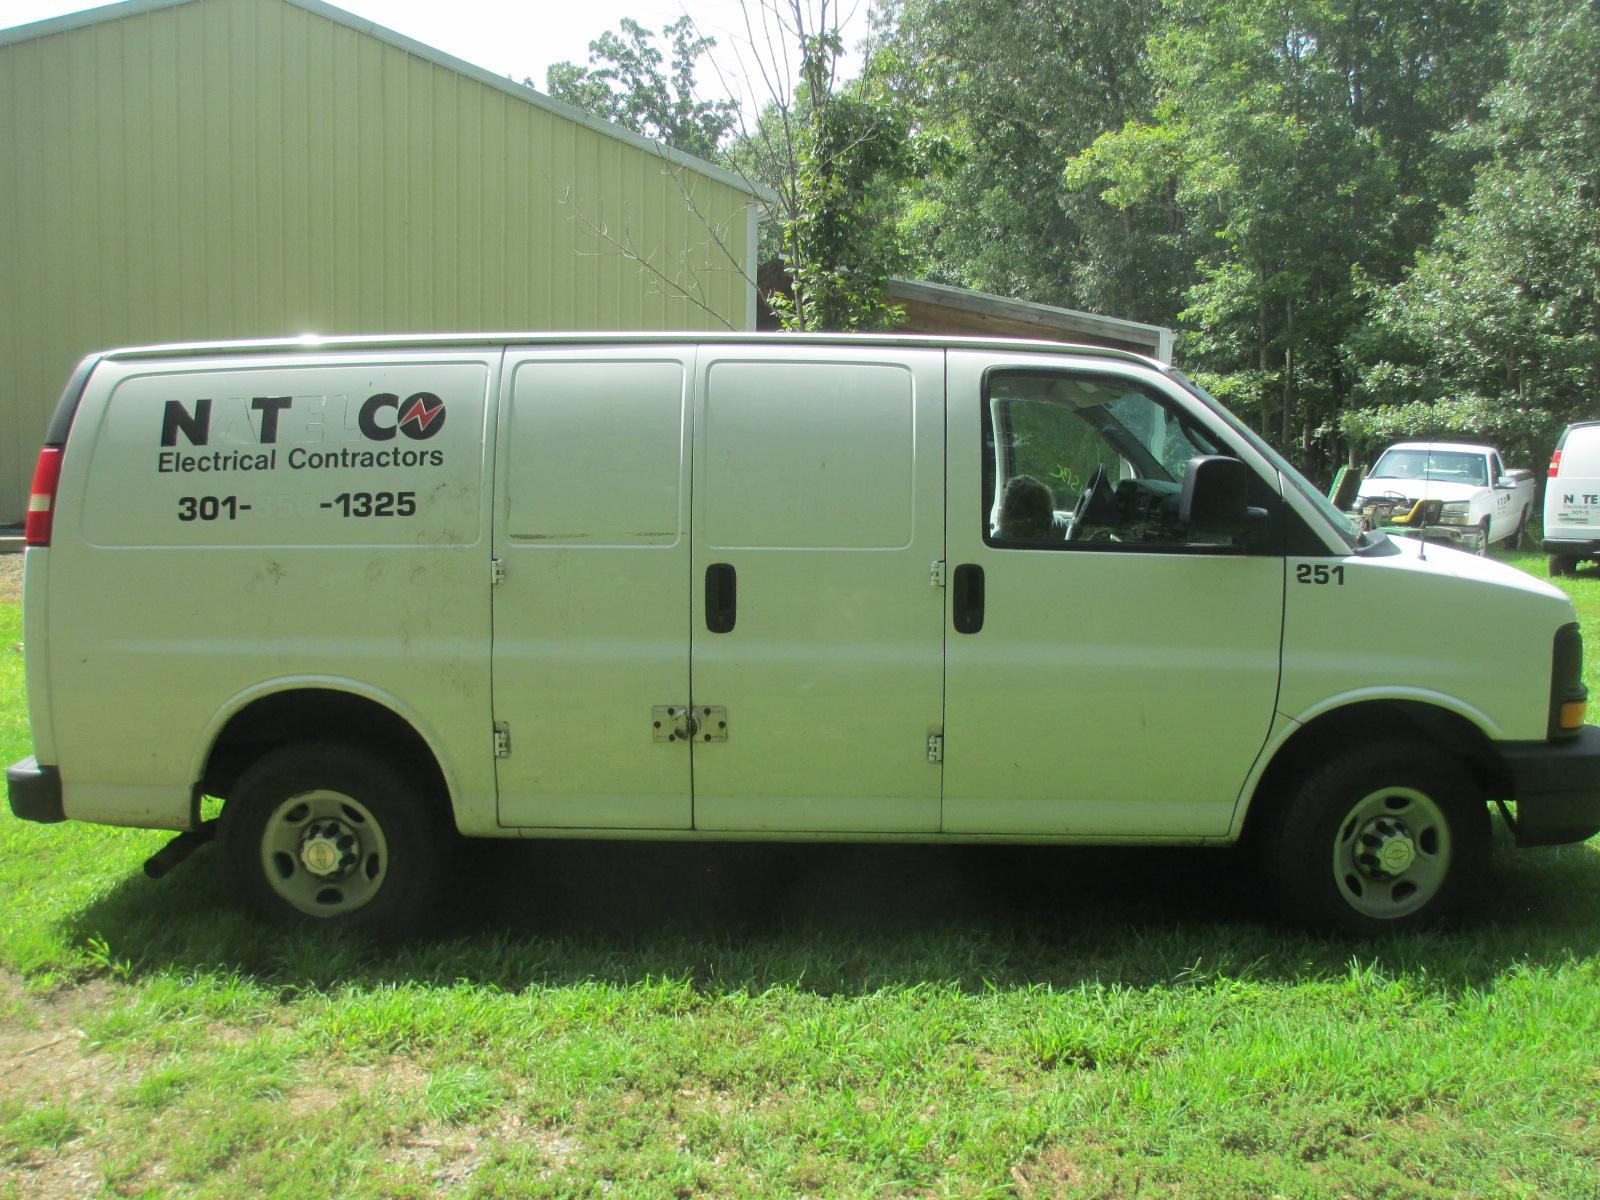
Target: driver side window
column 1089, row 462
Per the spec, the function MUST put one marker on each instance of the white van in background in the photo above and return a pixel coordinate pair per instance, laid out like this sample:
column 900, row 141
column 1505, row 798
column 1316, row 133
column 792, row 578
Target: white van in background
column 1572, row 499
column 375, row 592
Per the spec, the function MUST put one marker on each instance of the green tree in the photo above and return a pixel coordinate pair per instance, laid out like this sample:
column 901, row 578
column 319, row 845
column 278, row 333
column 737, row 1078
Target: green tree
column 1301, row 143
column 1000, row 94
column 626, row 83
column 837, row 180
column 832, row 154
column 829, row 153
column 1496, row 329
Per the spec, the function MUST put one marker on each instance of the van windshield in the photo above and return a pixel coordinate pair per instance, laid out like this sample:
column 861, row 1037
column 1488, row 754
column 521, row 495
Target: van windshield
column 1341, row 524
column 1442, row 466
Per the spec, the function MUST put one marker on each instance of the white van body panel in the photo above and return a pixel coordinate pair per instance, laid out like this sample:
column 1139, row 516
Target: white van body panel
column 591, row 622
column 172, row 608
column 206, row 557
column 1422, row 622
column 1572, row 495
column 1109, row 692
column 36, row 653
column 819, row 479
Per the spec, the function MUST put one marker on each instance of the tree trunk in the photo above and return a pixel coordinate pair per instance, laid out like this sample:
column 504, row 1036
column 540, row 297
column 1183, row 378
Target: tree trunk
column 1288, row 373
column 1262, row 422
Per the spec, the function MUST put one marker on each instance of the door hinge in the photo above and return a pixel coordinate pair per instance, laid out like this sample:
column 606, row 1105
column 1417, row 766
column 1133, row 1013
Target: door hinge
column 502, row 740
column 497, row 571
column 936, row 573
column 936, row 747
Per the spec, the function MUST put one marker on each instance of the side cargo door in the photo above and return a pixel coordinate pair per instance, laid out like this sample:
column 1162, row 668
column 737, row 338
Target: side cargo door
column 591, row 614
column 1118, row 671
column 817, row 623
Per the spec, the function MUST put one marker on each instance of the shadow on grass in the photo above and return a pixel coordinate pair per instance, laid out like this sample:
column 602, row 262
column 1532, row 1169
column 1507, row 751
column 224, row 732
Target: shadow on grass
column 850, row 920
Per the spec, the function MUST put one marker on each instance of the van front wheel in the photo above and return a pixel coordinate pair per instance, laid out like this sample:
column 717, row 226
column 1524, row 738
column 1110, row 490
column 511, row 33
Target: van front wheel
column 1378, row 838
column 336, row 835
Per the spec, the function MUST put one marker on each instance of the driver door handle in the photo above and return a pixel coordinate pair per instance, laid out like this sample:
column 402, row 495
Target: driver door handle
column 966, row 598
column 722, row 597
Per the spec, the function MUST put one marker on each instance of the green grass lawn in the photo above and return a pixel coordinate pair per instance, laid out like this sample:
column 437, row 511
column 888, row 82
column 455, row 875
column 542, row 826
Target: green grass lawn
column 638, row 1021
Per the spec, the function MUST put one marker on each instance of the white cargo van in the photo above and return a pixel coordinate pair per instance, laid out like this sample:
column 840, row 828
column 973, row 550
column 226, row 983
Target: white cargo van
column 1572, row 499
column 373, row 592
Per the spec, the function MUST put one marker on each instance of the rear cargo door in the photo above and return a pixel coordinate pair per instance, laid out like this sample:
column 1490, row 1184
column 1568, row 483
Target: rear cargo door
column 591, row 615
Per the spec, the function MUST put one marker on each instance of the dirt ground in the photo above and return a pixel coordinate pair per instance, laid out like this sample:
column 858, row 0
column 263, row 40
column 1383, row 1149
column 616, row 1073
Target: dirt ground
column 10, row 577
column 46, row 1062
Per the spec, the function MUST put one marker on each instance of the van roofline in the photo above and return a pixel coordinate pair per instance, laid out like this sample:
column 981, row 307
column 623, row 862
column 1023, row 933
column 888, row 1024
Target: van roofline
column 312, row 343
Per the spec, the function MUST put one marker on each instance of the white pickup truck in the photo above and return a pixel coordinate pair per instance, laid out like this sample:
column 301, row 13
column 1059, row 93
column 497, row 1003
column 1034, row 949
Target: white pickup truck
column 1456, row 492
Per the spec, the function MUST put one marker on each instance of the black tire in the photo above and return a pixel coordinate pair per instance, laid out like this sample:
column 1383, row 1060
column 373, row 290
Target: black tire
column 1519, row 536
column 1334, row 858
column 1482, row 548
column 384, row 844
column 1563, row 564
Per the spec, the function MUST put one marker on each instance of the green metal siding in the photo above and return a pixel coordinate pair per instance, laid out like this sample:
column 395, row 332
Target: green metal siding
column 249, row 168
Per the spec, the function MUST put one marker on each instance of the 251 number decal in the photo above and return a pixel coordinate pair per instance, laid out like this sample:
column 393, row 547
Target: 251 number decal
column 1319, row 573
column 374, row 504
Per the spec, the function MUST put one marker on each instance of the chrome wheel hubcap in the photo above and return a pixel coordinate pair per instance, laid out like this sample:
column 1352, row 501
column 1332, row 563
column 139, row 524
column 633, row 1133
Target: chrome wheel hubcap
column 1392, row 852
column 324, row 853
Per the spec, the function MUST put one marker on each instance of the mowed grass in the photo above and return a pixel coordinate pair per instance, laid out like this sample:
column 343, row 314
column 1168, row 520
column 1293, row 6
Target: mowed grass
column 637, row 1021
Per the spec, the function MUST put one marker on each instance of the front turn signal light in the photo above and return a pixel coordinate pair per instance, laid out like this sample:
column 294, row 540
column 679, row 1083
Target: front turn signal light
column 1572, row 713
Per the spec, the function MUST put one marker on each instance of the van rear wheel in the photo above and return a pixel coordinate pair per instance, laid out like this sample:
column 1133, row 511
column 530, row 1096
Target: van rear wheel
column 1379, row 838
column 336, row 835
column 1563, row 564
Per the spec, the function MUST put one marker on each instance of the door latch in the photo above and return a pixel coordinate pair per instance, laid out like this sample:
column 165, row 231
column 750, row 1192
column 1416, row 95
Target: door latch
column 688, row 723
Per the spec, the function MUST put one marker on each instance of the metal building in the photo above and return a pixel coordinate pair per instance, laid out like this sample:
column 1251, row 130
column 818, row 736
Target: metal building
column 195, row 169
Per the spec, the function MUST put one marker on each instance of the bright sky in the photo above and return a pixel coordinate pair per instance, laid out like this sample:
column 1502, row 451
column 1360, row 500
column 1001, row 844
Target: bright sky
column 521, row 39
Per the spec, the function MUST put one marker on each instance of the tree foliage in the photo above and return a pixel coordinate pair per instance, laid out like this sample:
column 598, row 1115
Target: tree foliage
column 837, row 186
column 1001, row 94
column 1302, row 144
column 1500, row 317
column 626, row 83
column 1366, row 218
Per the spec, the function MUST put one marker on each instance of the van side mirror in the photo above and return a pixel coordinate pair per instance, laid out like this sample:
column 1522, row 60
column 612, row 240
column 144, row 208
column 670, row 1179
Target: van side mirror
column 1215, row 497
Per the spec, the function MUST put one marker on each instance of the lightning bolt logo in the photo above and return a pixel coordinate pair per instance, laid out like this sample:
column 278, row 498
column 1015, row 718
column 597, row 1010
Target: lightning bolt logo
column 422, row 417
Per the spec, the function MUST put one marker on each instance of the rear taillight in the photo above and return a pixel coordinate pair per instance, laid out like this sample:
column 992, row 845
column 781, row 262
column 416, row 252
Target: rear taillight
column 1555, row 464
column 42, row 503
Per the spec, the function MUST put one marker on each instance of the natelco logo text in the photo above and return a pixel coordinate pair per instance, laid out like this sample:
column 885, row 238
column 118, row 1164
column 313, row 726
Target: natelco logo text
column 316, row 432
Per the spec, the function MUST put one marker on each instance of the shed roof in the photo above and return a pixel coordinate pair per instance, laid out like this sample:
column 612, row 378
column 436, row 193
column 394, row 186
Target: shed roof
column 133, row 8
column 939, row 307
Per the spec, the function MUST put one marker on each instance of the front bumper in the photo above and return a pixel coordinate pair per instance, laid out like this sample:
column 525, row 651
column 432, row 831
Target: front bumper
column 1577, row 547
column 35, row 791
column 1557, row 788
column 1454, row 535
